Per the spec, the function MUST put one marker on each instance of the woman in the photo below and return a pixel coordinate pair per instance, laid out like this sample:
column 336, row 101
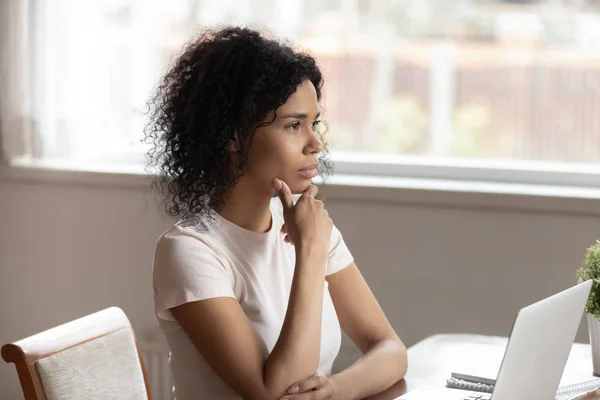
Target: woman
column 250, row 289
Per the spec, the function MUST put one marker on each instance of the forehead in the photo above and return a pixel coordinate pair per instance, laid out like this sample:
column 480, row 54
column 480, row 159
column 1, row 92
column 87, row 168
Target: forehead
column 303, row 99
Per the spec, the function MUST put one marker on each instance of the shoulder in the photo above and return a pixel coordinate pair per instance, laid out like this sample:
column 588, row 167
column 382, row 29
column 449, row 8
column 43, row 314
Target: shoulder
column 184, row 233
column 186, row 257
column 187, row 267
column 185, row 241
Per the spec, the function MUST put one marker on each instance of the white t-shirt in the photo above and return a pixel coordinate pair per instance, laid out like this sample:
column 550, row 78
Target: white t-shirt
column 227, row 260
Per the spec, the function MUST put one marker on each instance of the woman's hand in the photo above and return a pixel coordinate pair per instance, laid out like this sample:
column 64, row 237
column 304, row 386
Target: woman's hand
column 316, row 387
column 307, row 224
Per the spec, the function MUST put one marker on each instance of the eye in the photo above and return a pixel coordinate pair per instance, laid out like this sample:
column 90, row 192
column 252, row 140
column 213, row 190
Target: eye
column 316, row 123
column 295, row 126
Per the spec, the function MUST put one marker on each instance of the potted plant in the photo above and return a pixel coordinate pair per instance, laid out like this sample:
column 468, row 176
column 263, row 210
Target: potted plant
column 591, row 270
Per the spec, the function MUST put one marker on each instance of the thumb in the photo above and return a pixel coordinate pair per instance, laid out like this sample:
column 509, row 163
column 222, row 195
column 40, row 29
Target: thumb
column 284, row 193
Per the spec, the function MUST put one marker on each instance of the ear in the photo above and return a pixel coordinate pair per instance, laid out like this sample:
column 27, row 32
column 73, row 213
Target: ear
column 234, row 144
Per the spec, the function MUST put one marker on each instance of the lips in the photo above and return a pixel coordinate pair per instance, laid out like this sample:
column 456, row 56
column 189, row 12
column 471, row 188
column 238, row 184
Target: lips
column 309, row 172
column 311, row 166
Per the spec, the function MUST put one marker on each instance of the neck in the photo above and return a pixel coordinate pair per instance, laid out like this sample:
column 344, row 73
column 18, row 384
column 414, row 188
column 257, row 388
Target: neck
column 248, row 207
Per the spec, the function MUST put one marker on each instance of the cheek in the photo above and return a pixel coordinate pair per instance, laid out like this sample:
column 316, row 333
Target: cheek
column 284, row 147
column 277, row 159
column 273, row 156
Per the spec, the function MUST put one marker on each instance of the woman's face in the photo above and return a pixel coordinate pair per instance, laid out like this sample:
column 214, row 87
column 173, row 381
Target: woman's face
column 287, row 148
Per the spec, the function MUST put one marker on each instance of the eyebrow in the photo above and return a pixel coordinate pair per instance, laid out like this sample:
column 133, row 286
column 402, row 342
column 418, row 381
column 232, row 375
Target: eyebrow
column 299, row 115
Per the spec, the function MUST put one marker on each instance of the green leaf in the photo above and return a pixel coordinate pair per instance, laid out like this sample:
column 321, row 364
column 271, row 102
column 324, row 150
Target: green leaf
column 590, row 269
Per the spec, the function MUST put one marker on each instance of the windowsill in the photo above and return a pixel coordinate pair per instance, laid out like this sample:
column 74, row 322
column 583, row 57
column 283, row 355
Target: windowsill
column 119, row 176
column 346, row 188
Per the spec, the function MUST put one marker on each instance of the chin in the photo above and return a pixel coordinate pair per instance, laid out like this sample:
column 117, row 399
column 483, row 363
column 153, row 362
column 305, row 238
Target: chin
column 300, row 186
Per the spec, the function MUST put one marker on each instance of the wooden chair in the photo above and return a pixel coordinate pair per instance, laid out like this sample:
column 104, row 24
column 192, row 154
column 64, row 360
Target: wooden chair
column 94, row 357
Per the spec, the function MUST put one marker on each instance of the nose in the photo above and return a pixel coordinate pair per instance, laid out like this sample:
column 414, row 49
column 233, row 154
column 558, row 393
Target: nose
column 315, row 145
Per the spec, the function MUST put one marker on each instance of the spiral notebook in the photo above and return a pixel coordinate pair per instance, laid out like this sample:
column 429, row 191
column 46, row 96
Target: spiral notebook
column 478, row 384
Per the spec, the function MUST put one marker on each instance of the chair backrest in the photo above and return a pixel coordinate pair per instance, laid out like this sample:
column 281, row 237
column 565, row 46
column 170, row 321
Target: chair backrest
column 94, row 357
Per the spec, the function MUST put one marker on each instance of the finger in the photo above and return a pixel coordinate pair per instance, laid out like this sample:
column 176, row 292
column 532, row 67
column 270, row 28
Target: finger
column 312, row 394
column 288, row 240
column 283, row 229
column 308, row 384
column 284, row 193
column 311, row 191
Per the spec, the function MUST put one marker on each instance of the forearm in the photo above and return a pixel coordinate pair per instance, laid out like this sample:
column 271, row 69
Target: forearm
column 297, row 352
column 378, row 369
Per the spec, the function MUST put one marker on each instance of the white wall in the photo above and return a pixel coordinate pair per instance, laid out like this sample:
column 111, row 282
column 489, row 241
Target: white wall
column 437, row 262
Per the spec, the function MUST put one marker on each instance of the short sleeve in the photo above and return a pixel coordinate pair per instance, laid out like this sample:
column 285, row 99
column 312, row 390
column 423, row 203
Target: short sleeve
column 187, row 268
column 339, row 255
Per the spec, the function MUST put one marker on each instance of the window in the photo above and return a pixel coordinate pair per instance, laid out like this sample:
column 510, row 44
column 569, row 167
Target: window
column 449, row 85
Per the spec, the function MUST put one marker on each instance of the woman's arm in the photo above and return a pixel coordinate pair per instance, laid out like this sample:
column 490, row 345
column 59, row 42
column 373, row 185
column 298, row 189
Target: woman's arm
column 229, row 343
column 226, row 338
column 384, row 360
column 298, row 348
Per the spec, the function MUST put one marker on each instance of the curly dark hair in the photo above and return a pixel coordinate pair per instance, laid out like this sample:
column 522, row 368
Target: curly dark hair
column 219, row 89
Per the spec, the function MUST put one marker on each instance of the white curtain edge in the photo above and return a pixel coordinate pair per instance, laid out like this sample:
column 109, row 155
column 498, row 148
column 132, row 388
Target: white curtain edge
column 15, row 131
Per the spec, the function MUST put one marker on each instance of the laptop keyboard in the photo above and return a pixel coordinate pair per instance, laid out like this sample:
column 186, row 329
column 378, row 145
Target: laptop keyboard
column 478, row 397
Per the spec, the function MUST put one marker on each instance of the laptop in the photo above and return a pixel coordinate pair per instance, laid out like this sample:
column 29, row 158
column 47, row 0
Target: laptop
column 536, row 353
